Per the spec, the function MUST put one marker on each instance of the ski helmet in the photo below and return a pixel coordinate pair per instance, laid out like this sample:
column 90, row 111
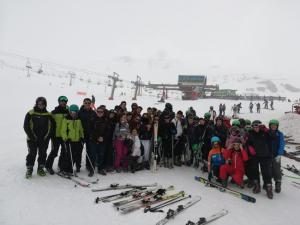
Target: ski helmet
column 73, row 108
column 236, row 123
column 41, row 99
column 62, row 98
column 274, row 122
column 215, row 139
column 248, row 122
column 207, row 115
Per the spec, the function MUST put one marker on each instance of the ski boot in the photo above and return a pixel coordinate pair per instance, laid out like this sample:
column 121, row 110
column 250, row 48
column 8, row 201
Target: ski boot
column 41, row 172
column 91, row 173
column 269, row 191
column 256, row 188
column 250, row 183
column 50, row 171
column 224, row 183
column 278, row 186
column 170, row 163
column 102, row 172
column 29, row 173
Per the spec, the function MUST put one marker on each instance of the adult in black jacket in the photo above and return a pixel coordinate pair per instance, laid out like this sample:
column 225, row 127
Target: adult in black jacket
column 98, row 139
column 166, row 131
column 39, row 127
column 220, row 131
column 86, row 113
column 258, row 138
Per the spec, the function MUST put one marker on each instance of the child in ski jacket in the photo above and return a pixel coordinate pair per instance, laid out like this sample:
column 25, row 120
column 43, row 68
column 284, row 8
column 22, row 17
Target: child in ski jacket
column 72, row 135
column 235, row 158
column 215, row 158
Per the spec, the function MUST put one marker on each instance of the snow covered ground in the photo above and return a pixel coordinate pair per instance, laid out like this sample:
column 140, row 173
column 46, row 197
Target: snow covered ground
column 52, row 200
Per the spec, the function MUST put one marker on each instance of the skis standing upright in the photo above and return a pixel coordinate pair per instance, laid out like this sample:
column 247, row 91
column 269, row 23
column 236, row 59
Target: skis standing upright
column 155, row 148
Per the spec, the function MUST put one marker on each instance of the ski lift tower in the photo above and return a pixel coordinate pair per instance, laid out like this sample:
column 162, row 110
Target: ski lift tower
column 137, row 84
column 115, row 79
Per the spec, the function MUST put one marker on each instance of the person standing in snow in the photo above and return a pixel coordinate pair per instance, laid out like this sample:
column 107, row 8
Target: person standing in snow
column 258, row 107
column 58, row 114
column 178, row 139
column 72, row 136
column 251, row 107
column 276, row 144
column 145, row 137
column 39, row 127
column 86, row 113
column 258, row 139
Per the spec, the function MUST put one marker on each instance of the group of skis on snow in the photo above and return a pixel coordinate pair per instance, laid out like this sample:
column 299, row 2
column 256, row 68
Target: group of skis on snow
column 128, row 140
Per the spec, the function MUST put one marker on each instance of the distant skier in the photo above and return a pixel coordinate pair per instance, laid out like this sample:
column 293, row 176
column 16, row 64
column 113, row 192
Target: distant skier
column 251, row 107
column 272, row 104
column 220, row 109
column 39, row 127
column 213, row 113
column 239, row 106
column 258, row 107
column 223, row 109
column 266, row 104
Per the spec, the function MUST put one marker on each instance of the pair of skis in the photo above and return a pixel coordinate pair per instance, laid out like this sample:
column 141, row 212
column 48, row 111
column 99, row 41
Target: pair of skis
column 223, row 189
column 126, row 186
column 292, row 169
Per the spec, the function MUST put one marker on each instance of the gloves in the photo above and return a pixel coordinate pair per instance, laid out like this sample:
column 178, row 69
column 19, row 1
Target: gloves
column 277, row 159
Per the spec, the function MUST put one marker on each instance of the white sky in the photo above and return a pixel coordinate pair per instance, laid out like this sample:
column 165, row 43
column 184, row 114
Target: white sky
column 157, row 39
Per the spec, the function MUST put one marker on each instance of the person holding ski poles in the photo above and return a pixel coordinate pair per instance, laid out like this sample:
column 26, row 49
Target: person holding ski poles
column 72, row 136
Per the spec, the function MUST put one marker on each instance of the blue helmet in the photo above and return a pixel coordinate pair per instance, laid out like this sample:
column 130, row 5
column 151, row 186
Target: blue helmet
column 215, row 139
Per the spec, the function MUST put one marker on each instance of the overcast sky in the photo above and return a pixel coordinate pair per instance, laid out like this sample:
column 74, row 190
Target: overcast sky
column 157, row 39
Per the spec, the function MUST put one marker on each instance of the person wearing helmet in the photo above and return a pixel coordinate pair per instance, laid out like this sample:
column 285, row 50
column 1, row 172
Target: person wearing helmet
column 235, row 158
column 276, row 144
column 39, row 127
column 215, row 158
column 58, row 114
column 258, row 139
column 72, row 136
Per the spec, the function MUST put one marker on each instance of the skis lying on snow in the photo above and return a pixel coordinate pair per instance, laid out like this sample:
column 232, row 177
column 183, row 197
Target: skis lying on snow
column 296, row 184
column 158, row 207
column 74, row 179
column 293, row 169
column 126, row 186
column 135, row 197
column 204, row 220
column 150, row 201
column 291, row 156
column 223, row 189
column 180, row 208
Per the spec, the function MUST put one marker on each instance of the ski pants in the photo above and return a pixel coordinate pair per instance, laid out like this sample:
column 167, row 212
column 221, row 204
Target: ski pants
column 56, row 142
column 72, row 153
column 265, row 164
column 214, row 171
column 35, row 147
column 167, row 147
column 236, row 174
column 120, row 154
column 147, row 146
column 276, row 170
column 178, row 146
column 109, row 155
column 251, row 169
column 98, row 154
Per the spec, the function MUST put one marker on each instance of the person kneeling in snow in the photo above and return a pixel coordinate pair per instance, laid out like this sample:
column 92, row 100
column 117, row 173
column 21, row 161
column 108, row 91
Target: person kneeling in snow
column 215, row 158
column 235, row 157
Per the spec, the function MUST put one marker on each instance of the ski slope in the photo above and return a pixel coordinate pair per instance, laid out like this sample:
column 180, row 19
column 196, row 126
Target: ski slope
column 52, row 200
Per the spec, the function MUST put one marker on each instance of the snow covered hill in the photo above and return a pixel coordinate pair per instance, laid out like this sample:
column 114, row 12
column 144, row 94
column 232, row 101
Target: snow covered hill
column 52, row 200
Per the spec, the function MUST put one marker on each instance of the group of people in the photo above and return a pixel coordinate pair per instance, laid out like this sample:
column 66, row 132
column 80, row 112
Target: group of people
column 123, row 140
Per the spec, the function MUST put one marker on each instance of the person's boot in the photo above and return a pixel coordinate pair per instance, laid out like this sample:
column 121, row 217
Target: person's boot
column 224, row 183
column 50, row 171
column 250, row 183
column 170, row 163
column 165, row 162
column 277, row 186
column 102, row 172
column 91, row 173
column 256, row 188
column 41, row 172
column 28, row 174
column 269, row 191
